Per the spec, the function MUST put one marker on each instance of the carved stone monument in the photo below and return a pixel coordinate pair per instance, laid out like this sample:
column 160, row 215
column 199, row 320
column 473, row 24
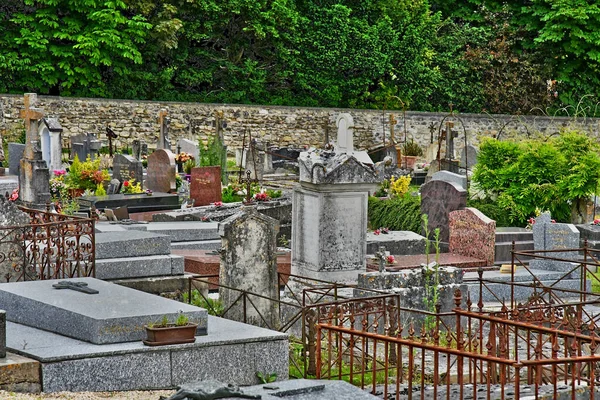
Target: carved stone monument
column 126, row 167
column 161, row 171
column 34, row 176
column 51, row 142
column 164, row 122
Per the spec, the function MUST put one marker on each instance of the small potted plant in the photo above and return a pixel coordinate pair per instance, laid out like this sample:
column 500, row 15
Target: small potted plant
column 164, row 332
column 411, row 152
column 131, row 187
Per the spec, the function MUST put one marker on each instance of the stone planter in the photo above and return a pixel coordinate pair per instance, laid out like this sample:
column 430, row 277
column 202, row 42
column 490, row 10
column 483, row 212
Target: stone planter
column 170, row 334
column 409, row 162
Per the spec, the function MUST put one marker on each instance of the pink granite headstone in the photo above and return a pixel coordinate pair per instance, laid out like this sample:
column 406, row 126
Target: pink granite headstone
column 472, row 234
column 205, row 185
column 161, row 171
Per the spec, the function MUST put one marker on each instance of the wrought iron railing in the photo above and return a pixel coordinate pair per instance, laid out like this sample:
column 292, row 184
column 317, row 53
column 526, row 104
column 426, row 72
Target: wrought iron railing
column 51, row 246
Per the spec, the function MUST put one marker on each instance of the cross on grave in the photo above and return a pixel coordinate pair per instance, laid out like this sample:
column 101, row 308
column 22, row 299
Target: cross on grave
column 77, row 286
column 248, row 181
column 164, row 121
column 449, row 135
column 111, row 135
column 393, row 123
column 31, row 115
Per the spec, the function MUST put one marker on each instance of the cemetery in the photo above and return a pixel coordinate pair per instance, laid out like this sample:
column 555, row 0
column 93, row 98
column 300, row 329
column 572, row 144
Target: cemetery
column 395, row 271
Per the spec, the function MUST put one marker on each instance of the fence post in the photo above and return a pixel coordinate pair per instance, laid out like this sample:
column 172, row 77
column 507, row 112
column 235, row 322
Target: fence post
column 459, row 342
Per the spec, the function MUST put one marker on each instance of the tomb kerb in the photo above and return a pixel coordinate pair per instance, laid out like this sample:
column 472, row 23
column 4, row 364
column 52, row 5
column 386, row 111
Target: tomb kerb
column 330, row 210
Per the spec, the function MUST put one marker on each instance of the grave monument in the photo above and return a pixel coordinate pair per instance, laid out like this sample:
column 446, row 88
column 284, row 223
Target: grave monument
column 51, row 142
column 126, row 167
column 161, row 171
column 330, row 209
column 438, row 199
column 164, row 122
column 84, row 146
column 34, row 176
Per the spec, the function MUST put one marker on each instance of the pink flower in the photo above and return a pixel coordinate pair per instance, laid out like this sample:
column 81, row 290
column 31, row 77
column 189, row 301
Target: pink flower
column 59, row 172
column 376, row 232
column 218, row 203
column 597, row 221
column 14, row 195
column 390, row 259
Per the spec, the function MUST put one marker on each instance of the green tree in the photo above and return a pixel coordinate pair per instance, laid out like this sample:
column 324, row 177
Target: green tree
column 66, row 46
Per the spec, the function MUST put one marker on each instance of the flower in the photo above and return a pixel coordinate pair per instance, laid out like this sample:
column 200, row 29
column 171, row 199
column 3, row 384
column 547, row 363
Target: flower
column 385, row 231
column 132, row 187
column 390, row 259
column 59, row 172
column 376, row 232
column 261, row 197
column 14, row 196
column 218, row 203
column 596, row 221
column 126, row 183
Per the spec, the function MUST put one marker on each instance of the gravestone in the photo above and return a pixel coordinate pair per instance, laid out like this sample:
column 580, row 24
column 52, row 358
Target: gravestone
column 136, row 149
column 164, row 122
column 468, row 157
column 11, row 252
column 126, row 167
column 345, row 138
column 249, row 262
column 15, row 153
column 51, row 143
column 34, row 176
column 160, row 176
column 552, row 236
column 84, row 145
column 113, row 187
column 472, row 234
column 438, row 199
column 205, row 185
column 190, row 147
column 329, row 223
column 255, row 162
column 448, row 176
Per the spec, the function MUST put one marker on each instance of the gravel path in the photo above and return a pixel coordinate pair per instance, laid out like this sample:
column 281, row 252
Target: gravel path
column 133, row 395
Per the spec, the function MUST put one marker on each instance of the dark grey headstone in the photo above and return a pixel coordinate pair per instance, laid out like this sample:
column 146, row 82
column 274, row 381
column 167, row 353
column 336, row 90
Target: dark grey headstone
column 15, row 153
column 126, row 167
column 438, row 199
column 555, row 236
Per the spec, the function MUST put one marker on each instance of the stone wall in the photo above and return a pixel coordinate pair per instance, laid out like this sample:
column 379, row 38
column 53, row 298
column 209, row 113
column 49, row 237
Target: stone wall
column 281, row 126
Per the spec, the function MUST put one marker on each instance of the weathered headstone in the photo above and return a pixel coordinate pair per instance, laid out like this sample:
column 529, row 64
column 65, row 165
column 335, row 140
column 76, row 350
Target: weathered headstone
column 249, row 262
column 205, row 185
column 34, row 176
column 114, row 186
column 448, row 176
column 255, row 162
column 85, row 145
column 15, row 153
column 126, row 167
column 161, row 171
column 51, row 142
column 554, row 236
column 472, row 234
column 190, row 147
column 438, row 199
column 11, row 252
column 345, row 138
column 468, row 157
column 136, row 149
column 164, row 122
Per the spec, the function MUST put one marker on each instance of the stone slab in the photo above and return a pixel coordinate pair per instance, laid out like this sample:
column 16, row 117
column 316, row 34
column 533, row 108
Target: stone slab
column 131, row 243
column 448, row 176
column 197, row 245
column 115, row 314
column 8, row 183
column 139, row 267
column 18, row 372
column 472, row 234
column 135, row 202
column 413, row 261
column 165, row 286
column 73, row 365
column 396, row 242
column 185, row 231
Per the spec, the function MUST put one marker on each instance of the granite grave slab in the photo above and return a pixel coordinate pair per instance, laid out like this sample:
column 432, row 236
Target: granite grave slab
column 115, row 314
column 205, row 185
column 438, row 199
column 126, row 167
column 135, row 202
column 161, row 171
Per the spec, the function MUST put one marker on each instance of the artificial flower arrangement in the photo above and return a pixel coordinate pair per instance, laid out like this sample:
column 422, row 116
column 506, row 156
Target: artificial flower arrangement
column 85, row 175
column 131, row 187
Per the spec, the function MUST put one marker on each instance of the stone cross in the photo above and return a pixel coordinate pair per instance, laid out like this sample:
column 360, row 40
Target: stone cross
column 77, row 286
column 164, row 121
column 382, row 256
column 32, row 116
column 345, row 138
column 450, row 135
column 393, row 123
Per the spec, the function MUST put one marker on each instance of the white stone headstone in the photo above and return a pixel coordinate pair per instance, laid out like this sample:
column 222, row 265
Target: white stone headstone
column 345, row 138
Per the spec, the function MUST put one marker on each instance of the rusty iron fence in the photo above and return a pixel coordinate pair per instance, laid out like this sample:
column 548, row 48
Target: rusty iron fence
column 482, row 354
column 51, row 246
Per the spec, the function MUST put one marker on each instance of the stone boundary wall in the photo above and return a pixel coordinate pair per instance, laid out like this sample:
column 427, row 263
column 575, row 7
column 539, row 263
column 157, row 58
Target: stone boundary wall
column 278, row 125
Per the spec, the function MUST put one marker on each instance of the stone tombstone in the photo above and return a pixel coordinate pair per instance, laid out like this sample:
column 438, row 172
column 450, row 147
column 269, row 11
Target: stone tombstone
column 51, row 142
column 249, row 262
column 126, row 167
column 472, row 234
column 34, row 176
column 438, row 199
column 255, row 162
column 548, row 235
column 468, row 157
column 15, row 153
column 11, row 253
column 190, row 147
column 136, row 149
column 85, row 145
column 160, row 176
column 164, row 122
column 448, row 176
column 345, row 136
column 205, row 185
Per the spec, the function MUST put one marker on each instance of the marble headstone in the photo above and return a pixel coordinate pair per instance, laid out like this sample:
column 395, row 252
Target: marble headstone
column 249, row 262
column 205, row 185
column 438, row 200
column 160, row 175
column 472, row 234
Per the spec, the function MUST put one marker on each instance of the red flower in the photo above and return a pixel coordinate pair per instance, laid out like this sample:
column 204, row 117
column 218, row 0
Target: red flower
column 126, row 183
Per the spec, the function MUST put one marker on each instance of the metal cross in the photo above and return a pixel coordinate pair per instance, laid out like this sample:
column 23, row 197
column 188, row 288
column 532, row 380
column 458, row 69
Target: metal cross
column 77, row 286
column 248, row 181
column 31, row 115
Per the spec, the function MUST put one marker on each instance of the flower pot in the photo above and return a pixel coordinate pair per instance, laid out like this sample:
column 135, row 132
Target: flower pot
column 170, row 334
column 409, row 162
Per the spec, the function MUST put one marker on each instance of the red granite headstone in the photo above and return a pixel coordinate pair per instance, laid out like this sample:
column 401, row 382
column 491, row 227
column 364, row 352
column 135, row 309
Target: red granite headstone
column 161, row 171
column 205, row 185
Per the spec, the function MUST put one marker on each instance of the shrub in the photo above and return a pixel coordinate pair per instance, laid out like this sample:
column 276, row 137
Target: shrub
column 398, row 213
